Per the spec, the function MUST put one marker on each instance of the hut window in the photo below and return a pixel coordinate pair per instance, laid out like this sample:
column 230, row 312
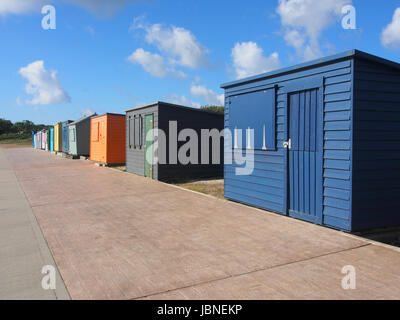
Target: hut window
column 256, row 111
column 138, row 131
column 135, row 129
column 131, row 131
column 72, row 135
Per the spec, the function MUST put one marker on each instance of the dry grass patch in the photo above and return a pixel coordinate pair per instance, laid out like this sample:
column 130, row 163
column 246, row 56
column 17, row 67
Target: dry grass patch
column 212, row 187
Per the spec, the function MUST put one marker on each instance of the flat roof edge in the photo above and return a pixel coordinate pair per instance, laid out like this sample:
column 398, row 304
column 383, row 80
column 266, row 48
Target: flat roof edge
column 143, row 106
column 173, row 105
column 304, row 65
column 83, row 119
column 108, row 114
column 313, row 63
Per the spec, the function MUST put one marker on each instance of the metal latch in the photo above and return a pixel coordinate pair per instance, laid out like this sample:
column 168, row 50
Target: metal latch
column 287, row 144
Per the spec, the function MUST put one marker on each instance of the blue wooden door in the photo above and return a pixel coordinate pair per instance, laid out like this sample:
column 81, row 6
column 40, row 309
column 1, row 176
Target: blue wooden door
column 305, row 155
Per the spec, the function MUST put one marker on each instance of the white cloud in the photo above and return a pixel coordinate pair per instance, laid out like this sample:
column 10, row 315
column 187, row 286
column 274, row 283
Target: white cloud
column 90, row 30
column 248, row 60
column 391, row 34
column 101, row 7
column 178, row 44
column 304, row 21
column 182, row 100
column 44, row 85
column 98, row 7
column 18, row 101
column 154, row 64
column 21, row 6
column 87, row 112
column 208, row 95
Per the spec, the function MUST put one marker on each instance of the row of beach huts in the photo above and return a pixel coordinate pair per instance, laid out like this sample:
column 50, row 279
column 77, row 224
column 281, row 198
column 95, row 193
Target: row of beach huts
column 326, row 145
column 116, row 139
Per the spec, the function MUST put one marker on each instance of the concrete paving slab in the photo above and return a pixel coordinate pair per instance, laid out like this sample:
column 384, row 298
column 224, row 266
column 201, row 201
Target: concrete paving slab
column 120, row 236
column 377, row 277
column 23, row 249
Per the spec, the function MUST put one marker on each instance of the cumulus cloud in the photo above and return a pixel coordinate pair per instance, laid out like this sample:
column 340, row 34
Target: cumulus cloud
column 178, row 44
column 151, row 62
column 208, row 95
column 182, row 100
column 101, row 7
column 43, row 85
column 154, row 64
column 98, row 7
column 21, row 6
column 305, row 20
column 248, row 60
column 390, row 36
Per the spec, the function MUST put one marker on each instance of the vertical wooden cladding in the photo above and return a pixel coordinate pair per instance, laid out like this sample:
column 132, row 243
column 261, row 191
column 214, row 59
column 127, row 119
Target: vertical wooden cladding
column 135, row 131
column 107, row 139
column 48, row 140
column 52, row 139
column 33, row 139
column 305, row 155
column 57, row 137
column 98, row 148
column 44, row 139
column 65, row 136
column 116, row 136
column 72, row 139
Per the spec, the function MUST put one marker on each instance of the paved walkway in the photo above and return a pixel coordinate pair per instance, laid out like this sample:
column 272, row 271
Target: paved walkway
column 23, row 250
column 116, row 235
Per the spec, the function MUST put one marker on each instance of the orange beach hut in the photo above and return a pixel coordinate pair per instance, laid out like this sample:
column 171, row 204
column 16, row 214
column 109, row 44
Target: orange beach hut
column 107, row 139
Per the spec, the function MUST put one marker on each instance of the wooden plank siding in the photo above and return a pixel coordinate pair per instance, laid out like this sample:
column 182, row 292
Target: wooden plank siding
column 116, row 144
column 65, row 136
column 83, row 137
column 376, row 172
column 187, row 118
column 337, row 166
column 195, row 119
column 57, row 137
column 135, row 156
column 107, row 139
column 266, row 188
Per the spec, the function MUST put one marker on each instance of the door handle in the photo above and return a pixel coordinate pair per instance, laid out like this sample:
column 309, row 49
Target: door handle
column 287, row 144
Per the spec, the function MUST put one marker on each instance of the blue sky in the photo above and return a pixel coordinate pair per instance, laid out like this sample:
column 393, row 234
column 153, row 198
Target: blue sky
column 107, row 56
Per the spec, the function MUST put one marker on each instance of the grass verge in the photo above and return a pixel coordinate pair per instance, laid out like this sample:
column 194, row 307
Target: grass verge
column 16, row 143
column 212, row 187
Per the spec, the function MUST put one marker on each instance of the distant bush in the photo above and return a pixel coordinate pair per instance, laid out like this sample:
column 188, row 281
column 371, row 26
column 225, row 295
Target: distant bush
column 19, row 130
column 216, row 109
column 5, row 126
